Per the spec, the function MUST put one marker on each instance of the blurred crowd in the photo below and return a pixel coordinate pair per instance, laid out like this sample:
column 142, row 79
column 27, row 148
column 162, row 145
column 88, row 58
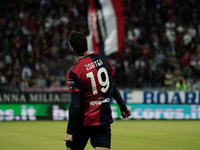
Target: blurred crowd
column 34, row 51
column 157, row 31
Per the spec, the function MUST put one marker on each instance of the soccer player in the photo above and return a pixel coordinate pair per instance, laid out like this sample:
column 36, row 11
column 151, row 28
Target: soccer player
column 91, row 84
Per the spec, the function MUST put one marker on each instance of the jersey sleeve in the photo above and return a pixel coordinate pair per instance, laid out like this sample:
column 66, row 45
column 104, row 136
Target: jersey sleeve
column 112, row 70
column 73, row 82
column 74, row 109
column 118, row 98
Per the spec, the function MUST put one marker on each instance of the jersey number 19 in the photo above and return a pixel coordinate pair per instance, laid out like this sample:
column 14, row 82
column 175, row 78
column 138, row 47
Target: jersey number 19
column 105, row 84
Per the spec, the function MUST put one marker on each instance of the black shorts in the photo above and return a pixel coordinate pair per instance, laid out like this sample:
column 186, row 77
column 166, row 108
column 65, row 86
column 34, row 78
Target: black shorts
column 100, row 136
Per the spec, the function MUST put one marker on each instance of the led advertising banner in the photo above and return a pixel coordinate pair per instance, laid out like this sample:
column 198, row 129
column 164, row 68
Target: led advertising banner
column 10, row 112
column 163, row 111
column 32, row 112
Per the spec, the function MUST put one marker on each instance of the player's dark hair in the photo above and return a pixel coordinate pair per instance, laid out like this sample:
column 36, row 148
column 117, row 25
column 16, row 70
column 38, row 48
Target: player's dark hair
column 78, row 41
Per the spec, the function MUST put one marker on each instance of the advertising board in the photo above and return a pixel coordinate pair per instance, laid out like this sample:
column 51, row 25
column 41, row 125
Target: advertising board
column 34, row 97
column 160, row 97
column 32, row 112
column 130, row 97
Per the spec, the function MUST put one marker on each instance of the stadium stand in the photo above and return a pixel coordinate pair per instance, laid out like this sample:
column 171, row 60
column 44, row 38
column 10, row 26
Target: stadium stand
column 162, row 43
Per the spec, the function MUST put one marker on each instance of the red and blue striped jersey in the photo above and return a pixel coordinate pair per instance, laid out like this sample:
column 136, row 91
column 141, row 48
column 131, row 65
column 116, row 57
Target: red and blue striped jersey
column 92, row 77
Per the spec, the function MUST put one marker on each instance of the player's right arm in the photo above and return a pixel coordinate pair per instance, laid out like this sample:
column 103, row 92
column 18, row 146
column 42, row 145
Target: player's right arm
column 74, row 107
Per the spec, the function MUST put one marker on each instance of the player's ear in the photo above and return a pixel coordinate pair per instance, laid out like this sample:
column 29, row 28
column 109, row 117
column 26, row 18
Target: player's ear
column 70, row 47
column 72, row 50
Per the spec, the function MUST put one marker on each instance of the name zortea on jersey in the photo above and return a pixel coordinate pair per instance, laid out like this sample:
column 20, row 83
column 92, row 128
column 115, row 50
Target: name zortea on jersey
column 94, row 64
column 107, row 100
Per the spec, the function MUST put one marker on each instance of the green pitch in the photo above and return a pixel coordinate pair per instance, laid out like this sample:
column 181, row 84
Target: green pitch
column 126, row 135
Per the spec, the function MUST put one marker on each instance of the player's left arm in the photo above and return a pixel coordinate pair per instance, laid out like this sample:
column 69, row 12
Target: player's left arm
column 125, row 112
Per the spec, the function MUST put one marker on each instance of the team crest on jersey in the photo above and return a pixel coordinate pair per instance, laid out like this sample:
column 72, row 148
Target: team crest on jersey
column 70, row 82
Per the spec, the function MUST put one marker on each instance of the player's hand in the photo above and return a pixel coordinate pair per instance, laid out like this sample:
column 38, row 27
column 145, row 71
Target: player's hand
column 126, row 113
column 68, row 137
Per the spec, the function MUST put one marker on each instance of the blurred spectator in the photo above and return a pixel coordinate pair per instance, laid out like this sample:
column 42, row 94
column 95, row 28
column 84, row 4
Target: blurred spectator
column 146, row 51
column 170, row 34
column 188, row 72
column 141, row 77
column 191, row 85
column 187, row 38
column 54, row 50
column 159, row 77
column 8, row 58
column 150, row 78
column 3, row 80
column 164, row 43
column 32, row 81
column 2, row 62
column 186, row 59
column 26, row 72
column 55, row 81
column 198, row 85
column 24, row 83
column 169, row 80
column 17, row 68
column 180, row 27
column 40, row 81
column 139, row 63
column 181, row 85
column 195, row 64
column 159, row 57
column 192, row 31
column 9, row 73
column 168, row 65
column 14, row 85
column 48, row 80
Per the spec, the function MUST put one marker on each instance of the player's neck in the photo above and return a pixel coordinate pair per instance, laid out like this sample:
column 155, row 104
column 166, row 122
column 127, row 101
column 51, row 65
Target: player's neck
column 83, row 55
